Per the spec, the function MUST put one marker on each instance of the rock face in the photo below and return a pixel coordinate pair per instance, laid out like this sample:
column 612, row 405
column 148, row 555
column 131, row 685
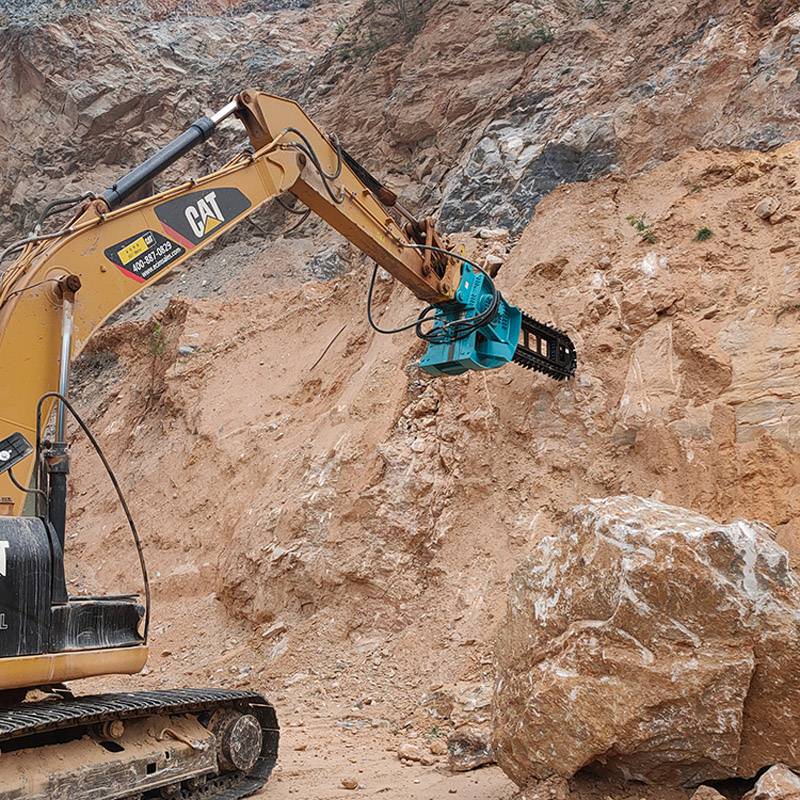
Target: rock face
column 652, row 643
column 77, row 114
column 593, row 88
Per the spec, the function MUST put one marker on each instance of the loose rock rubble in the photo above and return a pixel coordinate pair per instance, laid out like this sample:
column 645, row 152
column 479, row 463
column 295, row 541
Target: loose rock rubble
column 767, row 207
column 469, row 748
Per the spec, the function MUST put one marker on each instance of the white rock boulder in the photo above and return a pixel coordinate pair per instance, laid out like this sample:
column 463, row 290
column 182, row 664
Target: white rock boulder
column 777, row 783
column 652, row 643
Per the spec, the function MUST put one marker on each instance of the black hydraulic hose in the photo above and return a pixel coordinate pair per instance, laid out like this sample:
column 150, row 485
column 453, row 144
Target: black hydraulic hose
column 372, row 322
column 23, row 488
column 447, row 331
column 18, row 245
column 305, row 147
column 290, row 209
column 58, row 206
column 96, row 445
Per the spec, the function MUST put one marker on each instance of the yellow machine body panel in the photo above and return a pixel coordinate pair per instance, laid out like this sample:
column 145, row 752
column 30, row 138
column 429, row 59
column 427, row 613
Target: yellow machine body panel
column 50, row 668
column 115, row 255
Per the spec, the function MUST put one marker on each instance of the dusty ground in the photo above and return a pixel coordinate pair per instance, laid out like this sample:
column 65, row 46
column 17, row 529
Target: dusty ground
column 313, row 772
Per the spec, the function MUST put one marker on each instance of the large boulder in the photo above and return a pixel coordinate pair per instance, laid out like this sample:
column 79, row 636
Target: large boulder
column 652, row 643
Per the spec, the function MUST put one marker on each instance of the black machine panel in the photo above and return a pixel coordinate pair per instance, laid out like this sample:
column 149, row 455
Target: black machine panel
column 12, row 450
column 91, row 623
column 25, row 586
column 35, row 615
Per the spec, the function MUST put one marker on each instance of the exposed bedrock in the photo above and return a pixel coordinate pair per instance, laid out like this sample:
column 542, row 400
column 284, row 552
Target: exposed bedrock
column 652, row 643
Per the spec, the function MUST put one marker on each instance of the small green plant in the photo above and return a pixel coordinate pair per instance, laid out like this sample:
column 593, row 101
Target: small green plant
column 703, row 234
column 525, row 33
column 627, row 6
column 643, row 228
column 158, row 342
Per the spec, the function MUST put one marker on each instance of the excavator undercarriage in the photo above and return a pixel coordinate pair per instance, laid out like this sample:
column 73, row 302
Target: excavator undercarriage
column 188, row 743
column 192, row 744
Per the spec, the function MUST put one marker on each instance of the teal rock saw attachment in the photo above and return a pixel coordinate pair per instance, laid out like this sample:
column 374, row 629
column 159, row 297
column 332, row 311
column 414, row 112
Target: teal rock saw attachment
column 480, row 330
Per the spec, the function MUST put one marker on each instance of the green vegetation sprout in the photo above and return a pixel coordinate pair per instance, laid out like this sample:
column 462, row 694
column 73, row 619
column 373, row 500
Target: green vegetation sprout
column 703, row 234
column 643, row 228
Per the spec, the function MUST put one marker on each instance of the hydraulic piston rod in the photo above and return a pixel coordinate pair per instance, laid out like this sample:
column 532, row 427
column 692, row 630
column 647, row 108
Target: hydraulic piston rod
column 198, row 132
column 56, row 457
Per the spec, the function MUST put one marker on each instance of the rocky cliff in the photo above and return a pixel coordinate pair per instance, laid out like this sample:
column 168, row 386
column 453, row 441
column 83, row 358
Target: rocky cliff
column 321, row 517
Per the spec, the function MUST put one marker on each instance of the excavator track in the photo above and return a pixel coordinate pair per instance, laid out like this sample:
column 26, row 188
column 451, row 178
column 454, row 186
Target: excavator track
column 545, row 349
column 195, row 724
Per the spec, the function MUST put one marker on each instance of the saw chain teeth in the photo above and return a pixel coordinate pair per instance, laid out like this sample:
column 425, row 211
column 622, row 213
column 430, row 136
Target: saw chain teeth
column 561, row 359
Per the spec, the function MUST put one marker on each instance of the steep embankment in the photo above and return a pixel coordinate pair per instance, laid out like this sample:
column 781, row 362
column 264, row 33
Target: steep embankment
column 487, row 106
column 338, row 528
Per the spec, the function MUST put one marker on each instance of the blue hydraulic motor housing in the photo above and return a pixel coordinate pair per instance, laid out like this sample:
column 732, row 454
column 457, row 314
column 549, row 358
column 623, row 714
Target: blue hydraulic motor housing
column 453, row 347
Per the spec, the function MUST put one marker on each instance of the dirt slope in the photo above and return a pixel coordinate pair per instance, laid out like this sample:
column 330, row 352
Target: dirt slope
column 345, row 531
column 338, row 529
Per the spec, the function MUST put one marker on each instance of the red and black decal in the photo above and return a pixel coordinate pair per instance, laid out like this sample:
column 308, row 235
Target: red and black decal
column 144, row 255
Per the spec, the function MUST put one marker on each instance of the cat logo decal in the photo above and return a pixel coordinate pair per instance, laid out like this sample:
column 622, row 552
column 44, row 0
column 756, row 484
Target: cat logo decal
column 197, row 215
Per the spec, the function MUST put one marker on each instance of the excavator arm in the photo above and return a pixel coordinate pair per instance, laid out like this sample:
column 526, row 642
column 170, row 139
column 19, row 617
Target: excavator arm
column 199, row 744
column 64, row 285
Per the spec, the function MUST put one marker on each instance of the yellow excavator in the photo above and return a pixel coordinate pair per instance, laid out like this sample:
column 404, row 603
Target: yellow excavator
column 63, row 284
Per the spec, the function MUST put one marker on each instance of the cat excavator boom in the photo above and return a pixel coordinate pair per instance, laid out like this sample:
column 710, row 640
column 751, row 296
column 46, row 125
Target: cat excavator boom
column 62, row 286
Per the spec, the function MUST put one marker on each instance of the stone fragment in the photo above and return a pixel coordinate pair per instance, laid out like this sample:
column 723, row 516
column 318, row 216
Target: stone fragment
column 276, row 629
column 492, row 263
column 469, row 748
column 493, row 234
column 409, row 752
column 707, row 793
column 653, row 644
column 349, row 783
column 777, row 783
column 766, row 207
column 438, row 747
